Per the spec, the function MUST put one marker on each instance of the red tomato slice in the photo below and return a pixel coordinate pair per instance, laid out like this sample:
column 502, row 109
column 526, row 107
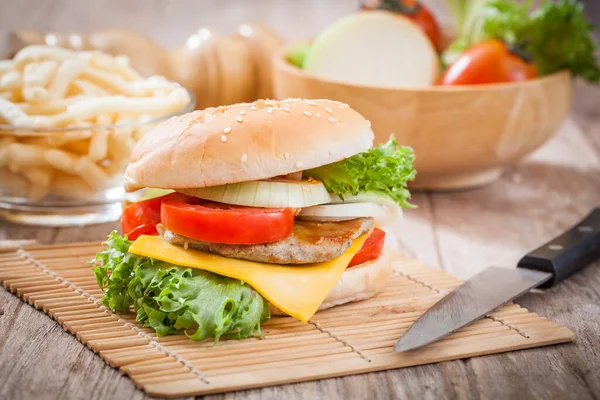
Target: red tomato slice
column 371, row 249
column 490, row 61
column 147, row 229
column 223, row 223
column 141, row 218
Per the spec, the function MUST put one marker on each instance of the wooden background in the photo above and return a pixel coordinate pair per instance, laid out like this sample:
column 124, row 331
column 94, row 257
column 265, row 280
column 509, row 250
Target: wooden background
column 461, row 232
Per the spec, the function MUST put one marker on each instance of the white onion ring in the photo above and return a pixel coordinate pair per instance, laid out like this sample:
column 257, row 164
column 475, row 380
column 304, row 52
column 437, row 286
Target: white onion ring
column 272, row 193
column 383, row 214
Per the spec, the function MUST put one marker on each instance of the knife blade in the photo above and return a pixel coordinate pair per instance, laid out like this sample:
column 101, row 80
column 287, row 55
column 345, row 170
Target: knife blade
column 493, row 287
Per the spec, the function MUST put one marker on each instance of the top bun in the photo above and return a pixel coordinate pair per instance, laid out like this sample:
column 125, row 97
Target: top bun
column 246, row 142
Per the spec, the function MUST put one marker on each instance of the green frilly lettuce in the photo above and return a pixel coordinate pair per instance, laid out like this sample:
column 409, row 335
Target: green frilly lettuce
column 170, row 299
column 383, row 170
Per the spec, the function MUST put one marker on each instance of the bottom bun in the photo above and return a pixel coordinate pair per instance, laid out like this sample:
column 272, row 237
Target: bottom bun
column 357, row 283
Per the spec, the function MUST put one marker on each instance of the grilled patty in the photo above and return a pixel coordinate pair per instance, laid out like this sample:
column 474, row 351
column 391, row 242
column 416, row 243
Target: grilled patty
column 310, row 242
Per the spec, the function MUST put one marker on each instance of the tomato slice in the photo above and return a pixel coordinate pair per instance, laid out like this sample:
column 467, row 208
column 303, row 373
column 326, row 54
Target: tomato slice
column 489, row 61
column 146, row 229
column 141, row 218
column 223, row 223
column 371, row 248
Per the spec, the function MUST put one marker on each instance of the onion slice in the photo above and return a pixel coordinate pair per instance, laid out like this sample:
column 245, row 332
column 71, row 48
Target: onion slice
column 272, row 193
column 383, row 214
column 343, row 211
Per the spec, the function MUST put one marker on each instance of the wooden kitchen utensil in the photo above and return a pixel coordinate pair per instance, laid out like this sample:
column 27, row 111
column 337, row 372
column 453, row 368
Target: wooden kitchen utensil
column 218, row 69
column 350, row 339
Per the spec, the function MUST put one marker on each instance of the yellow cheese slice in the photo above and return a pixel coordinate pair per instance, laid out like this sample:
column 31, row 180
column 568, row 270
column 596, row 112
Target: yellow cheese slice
column 295, row 290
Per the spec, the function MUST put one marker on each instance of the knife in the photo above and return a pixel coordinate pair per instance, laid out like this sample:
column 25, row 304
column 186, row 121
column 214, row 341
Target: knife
column 494, row 286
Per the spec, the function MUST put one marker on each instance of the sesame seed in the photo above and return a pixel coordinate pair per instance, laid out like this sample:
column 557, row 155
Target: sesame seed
column 239, row 119
column 223, row 138
column 243, row 112
column 244, row 157
column 286, row 155
column 227, row 130
column 331, row 119
column 328, row 109
column 368, row 122
column 318, row 115
column 186, row 245
column 298, row 164
column 269, row 110
column 253, row 108
column 285, row 109
column 286, row 104
column 311, row 103
column 307, row 113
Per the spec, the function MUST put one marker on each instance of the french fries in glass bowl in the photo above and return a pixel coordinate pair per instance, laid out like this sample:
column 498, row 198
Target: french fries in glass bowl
column 68, row 122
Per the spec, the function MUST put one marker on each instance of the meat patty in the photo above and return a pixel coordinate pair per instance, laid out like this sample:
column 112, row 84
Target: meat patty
column 310, row 242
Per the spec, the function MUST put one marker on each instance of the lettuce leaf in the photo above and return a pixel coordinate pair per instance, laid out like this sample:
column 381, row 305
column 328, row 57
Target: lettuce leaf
column 169, row 298
column 489, row 19
column 560, row 37
column 383, row 170
column 297, row 54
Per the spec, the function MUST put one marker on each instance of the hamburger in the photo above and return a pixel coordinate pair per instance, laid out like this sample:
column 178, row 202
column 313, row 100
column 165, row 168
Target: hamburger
column 272, row 207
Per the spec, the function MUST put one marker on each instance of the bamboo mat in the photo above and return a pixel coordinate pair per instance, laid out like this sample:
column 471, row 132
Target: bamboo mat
column 345, row 340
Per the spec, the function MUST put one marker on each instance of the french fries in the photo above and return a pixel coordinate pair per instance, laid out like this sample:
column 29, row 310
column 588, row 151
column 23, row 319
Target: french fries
column 94, row 106
column 10, row 80
column 35, row 94
column 68, row 71
column 11, row 114
column 5, row 141
column 22, row 156
column 88, row 88
column 39, row 74
column 98, row 146
column 91, row 173
column 61, row 160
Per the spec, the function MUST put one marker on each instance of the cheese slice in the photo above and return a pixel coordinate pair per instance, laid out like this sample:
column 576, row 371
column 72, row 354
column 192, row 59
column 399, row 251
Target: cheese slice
column 295, row 290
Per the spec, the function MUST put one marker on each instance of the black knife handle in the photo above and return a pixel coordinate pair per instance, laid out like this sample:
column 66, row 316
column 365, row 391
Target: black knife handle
column 569, row 252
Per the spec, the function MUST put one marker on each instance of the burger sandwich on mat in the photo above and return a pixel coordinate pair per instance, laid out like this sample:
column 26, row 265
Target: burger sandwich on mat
column 274, row 207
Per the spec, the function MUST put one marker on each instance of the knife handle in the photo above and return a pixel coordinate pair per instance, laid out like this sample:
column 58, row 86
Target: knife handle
column 569, row 252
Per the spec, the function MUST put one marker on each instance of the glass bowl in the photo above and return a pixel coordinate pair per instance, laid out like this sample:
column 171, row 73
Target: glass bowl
column 68, row 176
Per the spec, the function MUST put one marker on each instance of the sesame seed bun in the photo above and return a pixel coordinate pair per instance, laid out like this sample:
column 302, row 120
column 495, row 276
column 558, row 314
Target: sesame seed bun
column 358, row 283
column 246, row 142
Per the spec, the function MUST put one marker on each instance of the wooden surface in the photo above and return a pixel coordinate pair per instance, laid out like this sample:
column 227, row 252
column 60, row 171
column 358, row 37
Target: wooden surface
column 461, row 232
column 351, row 339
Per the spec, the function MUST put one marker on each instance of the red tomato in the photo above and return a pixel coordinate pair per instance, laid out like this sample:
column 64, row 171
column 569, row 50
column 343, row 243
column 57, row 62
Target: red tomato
column 223, row 223
column 414, row 10
column 490, row 61
column 141, row 218
column 371, row 249
column 147, row 229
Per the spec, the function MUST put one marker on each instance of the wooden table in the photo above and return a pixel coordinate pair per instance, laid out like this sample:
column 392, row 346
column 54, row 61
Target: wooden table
column 461, row 232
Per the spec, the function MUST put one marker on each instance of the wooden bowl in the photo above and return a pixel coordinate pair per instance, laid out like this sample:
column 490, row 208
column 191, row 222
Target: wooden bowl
column 463, row 136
